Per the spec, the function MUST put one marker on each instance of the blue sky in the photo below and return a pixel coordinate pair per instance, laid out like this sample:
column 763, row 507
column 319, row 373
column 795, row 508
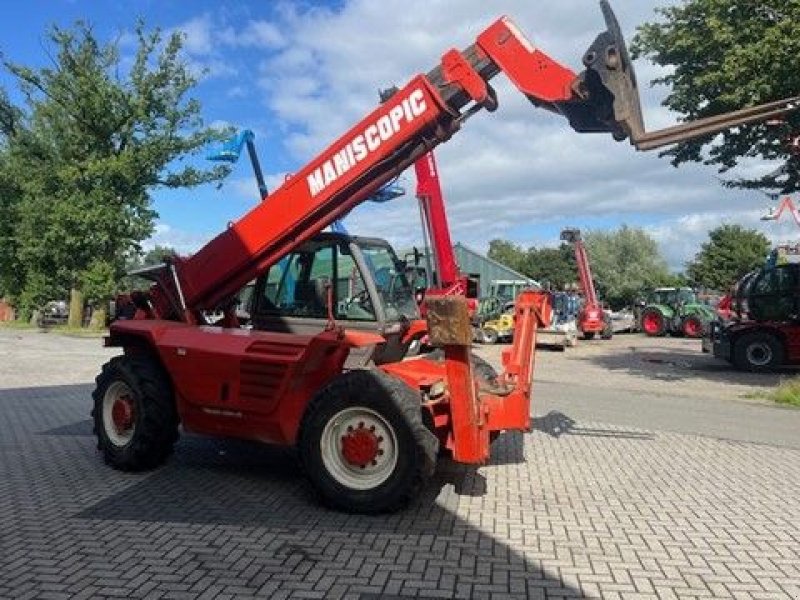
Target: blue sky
column 300, row 73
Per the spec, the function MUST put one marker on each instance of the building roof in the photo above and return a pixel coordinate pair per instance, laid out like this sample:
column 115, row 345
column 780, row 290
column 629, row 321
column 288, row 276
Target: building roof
column 501, row 271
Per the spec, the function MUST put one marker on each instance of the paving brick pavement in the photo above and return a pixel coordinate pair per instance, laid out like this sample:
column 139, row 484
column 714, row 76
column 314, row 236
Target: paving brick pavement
column 570, row 510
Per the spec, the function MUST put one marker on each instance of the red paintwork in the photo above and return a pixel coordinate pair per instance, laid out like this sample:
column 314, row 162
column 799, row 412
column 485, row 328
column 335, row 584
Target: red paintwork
column 256, row 384
column 533, row 72
column 122, row 414
column 725, row 307
column 787, row 204
column 431, row 199
column 243, row 383
column 788, row 333
column 590, row 318
column 692, row 328
column 434, row 216
column 651, row 323
column 360, row 447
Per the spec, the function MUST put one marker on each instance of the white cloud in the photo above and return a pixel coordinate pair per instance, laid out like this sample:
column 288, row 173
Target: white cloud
column 519, row 166
column 256, row 33
column 680, row 238
column 184, row 242
column 506, row 172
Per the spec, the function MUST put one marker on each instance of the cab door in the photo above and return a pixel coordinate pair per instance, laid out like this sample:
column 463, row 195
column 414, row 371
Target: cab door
column 293, row 296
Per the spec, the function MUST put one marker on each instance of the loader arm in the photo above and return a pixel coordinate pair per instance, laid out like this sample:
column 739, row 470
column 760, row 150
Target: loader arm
column 573, row 236
column 434, row 221
column 424, row 113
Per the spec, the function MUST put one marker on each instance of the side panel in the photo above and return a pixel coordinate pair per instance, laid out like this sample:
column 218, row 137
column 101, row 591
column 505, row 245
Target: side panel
column 242, row 383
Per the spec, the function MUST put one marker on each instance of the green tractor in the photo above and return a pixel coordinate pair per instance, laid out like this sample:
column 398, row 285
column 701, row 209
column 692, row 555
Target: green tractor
column 674, row 311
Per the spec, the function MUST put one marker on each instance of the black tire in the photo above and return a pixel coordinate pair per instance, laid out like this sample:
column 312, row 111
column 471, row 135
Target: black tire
column 758, row 351
column 398, row 410
column 483, row 370
column 490, row 336
column 154, row 429
column 588, row 335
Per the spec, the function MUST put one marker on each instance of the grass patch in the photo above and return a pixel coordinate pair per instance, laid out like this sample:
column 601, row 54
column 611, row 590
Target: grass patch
column 787, row 392
column 89, row 332
column 17, row 325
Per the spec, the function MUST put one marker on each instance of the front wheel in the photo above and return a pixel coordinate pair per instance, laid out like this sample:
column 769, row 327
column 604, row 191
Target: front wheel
column 490, row 336
column 758, row 352
column 135, row 419
column 363, row 443
column 588, row 335
column 653, row 322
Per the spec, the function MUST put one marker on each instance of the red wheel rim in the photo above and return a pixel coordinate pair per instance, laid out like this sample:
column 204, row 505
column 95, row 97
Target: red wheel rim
column 692, row 328
column 651, row 323
column 123, row 414
column 361, row 446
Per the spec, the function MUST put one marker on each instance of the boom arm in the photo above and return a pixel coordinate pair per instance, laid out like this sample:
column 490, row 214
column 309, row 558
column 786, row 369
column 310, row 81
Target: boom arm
column 431, row 200
column 421, row 115
column 573, row 236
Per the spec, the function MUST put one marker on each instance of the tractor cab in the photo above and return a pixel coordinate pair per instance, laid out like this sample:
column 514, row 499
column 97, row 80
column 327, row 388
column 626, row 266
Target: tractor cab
column 359, row 280
column 673, row 296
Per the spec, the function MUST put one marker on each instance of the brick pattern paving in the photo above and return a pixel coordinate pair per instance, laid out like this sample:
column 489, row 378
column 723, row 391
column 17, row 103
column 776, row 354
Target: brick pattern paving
column 571, row 510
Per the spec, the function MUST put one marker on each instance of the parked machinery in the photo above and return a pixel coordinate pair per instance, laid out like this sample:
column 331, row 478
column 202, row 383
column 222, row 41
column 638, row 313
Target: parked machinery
column 592, row 319
column 762, row 331
column 367, row 439
column 675, row 311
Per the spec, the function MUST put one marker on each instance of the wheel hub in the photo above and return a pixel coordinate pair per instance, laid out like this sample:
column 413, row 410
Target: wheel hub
column 651, row 323
column 759, row 354
column 360, row 446
column 122, row 414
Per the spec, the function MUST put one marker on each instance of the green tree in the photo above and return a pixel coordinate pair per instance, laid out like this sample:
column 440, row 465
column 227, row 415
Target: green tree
column 730, row 252
column 555, row 266
column 507, row 253
column 724, row 55
column 91, row 142
column 624, row 262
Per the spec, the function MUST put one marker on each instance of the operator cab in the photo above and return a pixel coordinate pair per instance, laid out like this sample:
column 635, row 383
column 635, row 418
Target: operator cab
column 673, row 296
column 364, row 279
column 771, row 294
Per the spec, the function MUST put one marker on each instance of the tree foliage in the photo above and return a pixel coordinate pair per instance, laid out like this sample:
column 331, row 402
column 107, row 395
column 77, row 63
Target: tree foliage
column 724, row 55
column 730, row 252
column 509, row 254
column 553, row 266
column 625, row 262
column 82, row 155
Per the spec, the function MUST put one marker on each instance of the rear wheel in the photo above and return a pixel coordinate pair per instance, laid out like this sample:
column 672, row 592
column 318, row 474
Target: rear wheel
column 692, row 327
column 758, row 351
column 588, row 335
column 135, row 419
column 363, row 443
column 490, row 335
column 653, row 323
column 608, row 330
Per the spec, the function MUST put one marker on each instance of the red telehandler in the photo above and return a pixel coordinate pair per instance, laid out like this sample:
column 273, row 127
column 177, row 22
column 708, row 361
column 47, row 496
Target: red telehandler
column 367, row 438
column 592, row 320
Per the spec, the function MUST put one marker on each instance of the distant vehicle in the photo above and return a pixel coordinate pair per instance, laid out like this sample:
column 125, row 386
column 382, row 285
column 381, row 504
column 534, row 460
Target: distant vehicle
column 762, row 332
column 675, row 311
column 55, row 312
